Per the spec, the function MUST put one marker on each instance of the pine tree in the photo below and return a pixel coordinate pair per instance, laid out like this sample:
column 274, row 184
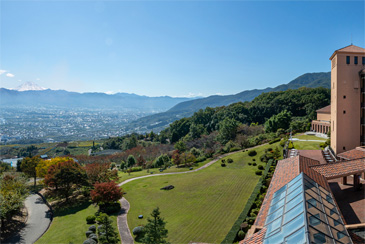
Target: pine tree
column 107, row 234
column 155, row 231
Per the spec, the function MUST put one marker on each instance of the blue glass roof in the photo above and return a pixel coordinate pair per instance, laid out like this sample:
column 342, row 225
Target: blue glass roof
column 304, row 212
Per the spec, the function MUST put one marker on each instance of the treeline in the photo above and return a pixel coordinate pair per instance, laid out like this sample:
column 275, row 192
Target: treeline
column 300, row 106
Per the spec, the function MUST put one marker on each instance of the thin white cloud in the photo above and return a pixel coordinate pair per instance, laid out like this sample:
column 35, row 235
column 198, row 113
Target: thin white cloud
column 2, row 71
column 10, row 75
column 38, row 79
column 19, row 80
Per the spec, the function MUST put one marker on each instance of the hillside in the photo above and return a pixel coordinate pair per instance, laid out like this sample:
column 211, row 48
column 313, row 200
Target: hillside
column 187, row 108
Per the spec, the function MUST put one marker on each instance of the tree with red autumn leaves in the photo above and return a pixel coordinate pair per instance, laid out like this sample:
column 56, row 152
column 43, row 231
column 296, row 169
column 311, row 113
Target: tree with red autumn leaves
column 100, row 172
column 106, row 193
column 63, row 176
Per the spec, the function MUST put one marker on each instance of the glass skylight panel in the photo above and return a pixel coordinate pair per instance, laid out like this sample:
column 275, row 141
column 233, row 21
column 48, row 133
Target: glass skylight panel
column 293, row 225
column 277, row 205
column 297, row 238
column 294, row 186
column 278, row 194
column 290, row 206
column 294, row 202
column 294, row 193
column 293, row 213
column 274, row 226
column 275, row 215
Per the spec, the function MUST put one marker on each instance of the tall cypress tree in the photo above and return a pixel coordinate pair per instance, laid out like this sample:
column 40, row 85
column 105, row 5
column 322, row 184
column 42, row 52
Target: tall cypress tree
column 155, row 231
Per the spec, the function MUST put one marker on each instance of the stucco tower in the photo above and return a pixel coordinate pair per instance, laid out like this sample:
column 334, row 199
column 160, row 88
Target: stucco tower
column 347, row 98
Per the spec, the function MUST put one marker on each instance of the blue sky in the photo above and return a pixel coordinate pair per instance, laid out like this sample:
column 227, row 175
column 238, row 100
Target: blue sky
column 175, row 48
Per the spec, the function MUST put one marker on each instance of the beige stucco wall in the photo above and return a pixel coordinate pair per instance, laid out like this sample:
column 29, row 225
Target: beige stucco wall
column 323, row 116
column 345, row 127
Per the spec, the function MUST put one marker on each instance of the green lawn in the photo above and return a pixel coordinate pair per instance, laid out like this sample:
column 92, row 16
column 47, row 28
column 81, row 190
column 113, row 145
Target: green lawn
column 309, row 137
column 70, row 226
column 126, row 176
column 307, row 145
column 204, row 204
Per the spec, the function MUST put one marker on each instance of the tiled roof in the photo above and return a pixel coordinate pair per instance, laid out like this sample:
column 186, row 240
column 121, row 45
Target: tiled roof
column 306, row 166
column 349, row 49
column 313, row 154
column 255, row 238
column 353, row 154
column 344, row 168
column 286, row 170
column 326, row 110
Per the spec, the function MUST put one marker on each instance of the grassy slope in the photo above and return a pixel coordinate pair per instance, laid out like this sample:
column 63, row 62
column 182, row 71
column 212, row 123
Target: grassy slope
column 203, row 206
column 126, row 176
column 70, row 226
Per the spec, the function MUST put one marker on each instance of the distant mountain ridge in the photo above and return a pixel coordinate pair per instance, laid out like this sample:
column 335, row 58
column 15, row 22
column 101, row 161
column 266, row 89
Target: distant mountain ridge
column 91, row 100
column 187, row 108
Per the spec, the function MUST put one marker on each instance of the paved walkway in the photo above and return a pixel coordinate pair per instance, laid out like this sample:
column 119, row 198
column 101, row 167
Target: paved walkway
column 39, row 219
column 124, row 232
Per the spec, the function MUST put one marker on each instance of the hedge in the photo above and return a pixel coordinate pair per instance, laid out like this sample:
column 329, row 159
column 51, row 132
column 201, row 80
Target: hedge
column 231, row 236
column 275, row 140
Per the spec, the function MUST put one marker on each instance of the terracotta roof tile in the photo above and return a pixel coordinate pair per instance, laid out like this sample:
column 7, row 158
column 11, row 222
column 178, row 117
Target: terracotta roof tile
column 255, row 238
column 313, row 154
column 326, row 110
column 356, row 153
column 339, row 169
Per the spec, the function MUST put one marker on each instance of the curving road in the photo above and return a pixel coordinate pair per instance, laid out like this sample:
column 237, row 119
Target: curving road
column 39, row 219
column 124, row 232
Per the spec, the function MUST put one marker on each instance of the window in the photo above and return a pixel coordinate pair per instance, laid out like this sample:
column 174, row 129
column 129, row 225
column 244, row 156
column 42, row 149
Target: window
column 355, row 60
column 344, row 148
column 319, row 238
column 344, row 112
column 363, row 60
column 344, row 97
column 313, row 221
column 347, row 59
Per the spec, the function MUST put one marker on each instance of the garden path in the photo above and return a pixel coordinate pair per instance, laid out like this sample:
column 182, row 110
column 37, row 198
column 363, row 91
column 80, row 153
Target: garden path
column 39, row 219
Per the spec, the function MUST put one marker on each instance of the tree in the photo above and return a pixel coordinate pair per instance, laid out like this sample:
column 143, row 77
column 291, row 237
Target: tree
column 180, row 146
column 13, row 191
column 161, row 160
column 107, row 234
column 43, row 165
column 100, row 172
column 131, row 161
column 281, row 120
column 155, row 231
column 176, row 159
column 64, row 175
column 227, row 130
column 29, row 167
column 106, row 192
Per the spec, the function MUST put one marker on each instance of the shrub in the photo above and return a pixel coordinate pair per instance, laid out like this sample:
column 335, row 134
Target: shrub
column 138, row 231
column 241, row 235
column 88, row 233
column 249, row 163
column 90, row 219
column 252, row 153
column 230, row 160
column 258, row 172
column 223, row 164
column 260, row 167
column 110, row 208
column 254, row 164
column 92, row 228
column 135, row 169
column 254, row 159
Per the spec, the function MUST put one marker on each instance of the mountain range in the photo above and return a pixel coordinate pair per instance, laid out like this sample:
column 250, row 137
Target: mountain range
column 31, row 94
column 187, row 108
